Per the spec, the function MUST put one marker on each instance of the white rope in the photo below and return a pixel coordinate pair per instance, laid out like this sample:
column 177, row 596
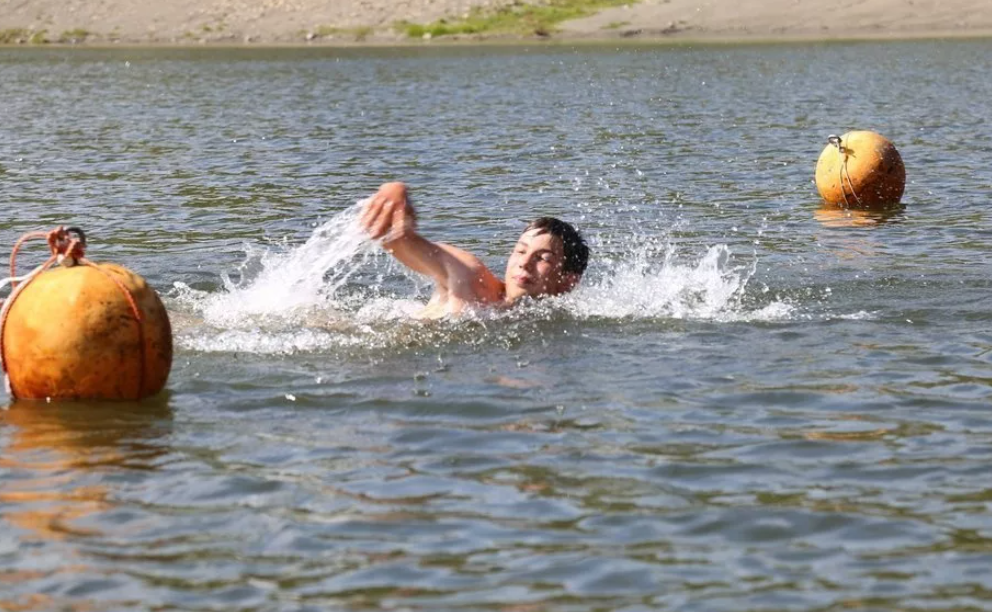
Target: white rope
column 14, row 279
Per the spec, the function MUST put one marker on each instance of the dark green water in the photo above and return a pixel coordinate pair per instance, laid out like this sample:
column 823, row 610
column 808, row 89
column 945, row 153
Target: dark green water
column 751, row 403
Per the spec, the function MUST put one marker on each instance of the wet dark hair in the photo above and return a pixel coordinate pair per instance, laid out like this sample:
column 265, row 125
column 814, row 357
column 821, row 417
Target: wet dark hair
column 573, row 244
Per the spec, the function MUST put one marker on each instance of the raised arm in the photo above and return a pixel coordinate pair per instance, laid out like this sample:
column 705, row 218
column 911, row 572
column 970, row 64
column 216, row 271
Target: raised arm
column 390, row 216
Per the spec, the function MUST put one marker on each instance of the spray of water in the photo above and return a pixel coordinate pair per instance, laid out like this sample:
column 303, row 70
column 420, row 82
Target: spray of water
column 304, row 299
column 712, row 288
column 290, row 285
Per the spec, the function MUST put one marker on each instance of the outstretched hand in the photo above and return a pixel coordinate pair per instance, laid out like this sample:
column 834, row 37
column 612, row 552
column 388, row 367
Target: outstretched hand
column 388, row 214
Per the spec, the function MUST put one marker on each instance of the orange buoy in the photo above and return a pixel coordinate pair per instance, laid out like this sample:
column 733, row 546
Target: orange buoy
column 860, row 169
column 89, row 331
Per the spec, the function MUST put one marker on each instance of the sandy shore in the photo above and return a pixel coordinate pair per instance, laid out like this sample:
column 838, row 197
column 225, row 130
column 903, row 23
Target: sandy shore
column 770, row 19
column 372, row 21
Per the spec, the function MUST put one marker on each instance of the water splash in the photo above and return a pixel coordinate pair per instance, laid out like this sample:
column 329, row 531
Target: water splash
column 714, row 288
column 289, row 285
column 308, row 299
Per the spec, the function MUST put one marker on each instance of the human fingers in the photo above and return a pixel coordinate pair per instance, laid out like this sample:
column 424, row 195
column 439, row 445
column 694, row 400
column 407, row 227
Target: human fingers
column 371, row 211
column 380, row 225
column 400, row 223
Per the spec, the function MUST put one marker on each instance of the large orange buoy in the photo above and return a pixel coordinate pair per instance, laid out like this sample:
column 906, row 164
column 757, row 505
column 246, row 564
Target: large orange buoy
column 86, row 331
column 860, row 169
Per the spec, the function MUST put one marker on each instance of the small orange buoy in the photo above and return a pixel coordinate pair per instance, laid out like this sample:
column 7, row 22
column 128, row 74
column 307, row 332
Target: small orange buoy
column 89, row 331
column 860, row 169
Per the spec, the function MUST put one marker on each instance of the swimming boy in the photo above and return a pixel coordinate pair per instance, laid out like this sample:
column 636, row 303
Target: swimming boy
column 548, row 259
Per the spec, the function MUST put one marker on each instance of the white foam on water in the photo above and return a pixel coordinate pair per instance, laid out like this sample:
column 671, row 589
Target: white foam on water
column 861, row 315
column 290, row 285
column 301, row 300
column 712, row 288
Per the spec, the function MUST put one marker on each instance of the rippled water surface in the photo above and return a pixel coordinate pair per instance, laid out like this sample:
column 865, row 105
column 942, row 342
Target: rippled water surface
column 752, row 402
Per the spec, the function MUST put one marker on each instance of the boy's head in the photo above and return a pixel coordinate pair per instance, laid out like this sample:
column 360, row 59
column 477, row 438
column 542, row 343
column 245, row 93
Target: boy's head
column 548, row 259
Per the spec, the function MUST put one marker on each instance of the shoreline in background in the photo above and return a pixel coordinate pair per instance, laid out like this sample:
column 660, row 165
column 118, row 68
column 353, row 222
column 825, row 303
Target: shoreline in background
column 417, row 23
column 646, row 40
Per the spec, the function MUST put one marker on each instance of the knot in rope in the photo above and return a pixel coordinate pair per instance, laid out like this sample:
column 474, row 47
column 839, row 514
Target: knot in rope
column 68, row 246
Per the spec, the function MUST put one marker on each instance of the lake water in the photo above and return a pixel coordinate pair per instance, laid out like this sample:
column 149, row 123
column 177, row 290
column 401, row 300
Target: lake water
column 752, row 403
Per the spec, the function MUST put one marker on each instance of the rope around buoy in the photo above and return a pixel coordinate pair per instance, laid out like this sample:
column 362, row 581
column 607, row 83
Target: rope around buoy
column 836, row 141
column 68, row 248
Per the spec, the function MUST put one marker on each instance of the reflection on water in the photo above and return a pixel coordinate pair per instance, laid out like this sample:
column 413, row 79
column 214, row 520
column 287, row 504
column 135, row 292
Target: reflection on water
column 831, row 215
column 58, row 461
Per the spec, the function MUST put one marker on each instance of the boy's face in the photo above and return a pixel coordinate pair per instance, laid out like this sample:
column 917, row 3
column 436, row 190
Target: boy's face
column 535, row 267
